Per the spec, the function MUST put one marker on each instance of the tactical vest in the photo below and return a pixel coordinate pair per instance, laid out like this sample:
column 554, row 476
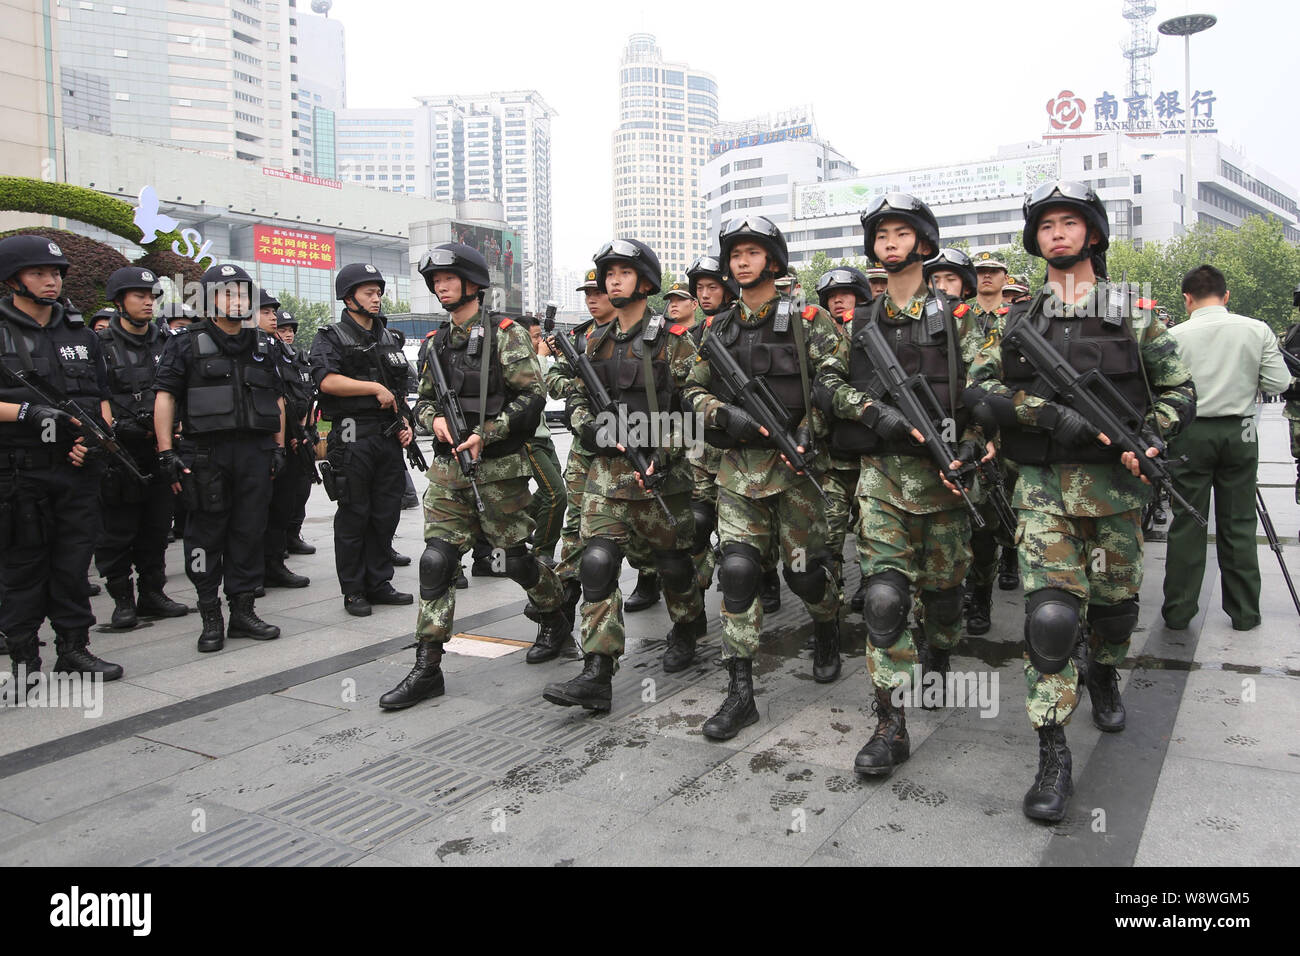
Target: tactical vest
column 225, row 392
column 620, row 366
column 131, row 368
column 60, row 353
column 361, row 358
column 919, row 347
column 761, row 351
column 463, row 365
column 1100, row 342
column 295, row 372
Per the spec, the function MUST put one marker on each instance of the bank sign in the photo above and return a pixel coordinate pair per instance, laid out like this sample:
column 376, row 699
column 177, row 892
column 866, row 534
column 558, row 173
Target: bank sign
column 1162, row 113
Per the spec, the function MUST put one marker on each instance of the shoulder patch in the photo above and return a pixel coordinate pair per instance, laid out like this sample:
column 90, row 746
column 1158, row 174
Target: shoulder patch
column 677, row 329
column 961, row 310
column 708, row 322
column 1146, row 303
column 810, row 312
column 505, row 323
column 1003, row 310
column 429, row 335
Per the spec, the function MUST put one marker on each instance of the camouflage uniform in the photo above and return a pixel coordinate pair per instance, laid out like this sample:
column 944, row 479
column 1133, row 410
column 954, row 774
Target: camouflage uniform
column 909, row 521
column 984, row 543
column 450, row 513
column 840, row 482
column 1080, row 524
column 760, row 497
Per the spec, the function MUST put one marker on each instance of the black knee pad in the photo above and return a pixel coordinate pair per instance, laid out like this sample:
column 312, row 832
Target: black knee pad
column 706, row 519
column 888, row 603
column 521, row 566
column 942, row 607
column 739, row 573
column 438, row 567
column 1113, row 623
column 809, row 584
column 598, row 569
column 676, row 571
column 1051, row 628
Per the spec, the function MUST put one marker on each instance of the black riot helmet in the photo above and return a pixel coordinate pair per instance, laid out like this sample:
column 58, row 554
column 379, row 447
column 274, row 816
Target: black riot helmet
column 460, row 260
column 845, row 277
column 634, row 253
column 25, row 252
column 265, row 298
column 285, row 320
column 1295, row 297
column 105, row 315
column 710, row 267
column 218, row 275
column 354, row 274
column 912, row 211
column 954, row 260
column 1079, row 196
column 131, row 277
column 763, row 231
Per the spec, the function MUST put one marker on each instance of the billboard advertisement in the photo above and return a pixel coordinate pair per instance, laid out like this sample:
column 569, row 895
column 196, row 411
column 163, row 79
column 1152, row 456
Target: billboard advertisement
column 289, row 247
column 504, row 254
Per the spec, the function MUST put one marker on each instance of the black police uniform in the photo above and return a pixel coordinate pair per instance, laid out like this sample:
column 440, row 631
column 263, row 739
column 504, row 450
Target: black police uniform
column 367, row 463
column 136, row 517
column 293, row 486
column 49, row 508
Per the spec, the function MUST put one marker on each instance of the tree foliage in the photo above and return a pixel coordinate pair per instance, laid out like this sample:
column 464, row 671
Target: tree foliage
column 311, row 316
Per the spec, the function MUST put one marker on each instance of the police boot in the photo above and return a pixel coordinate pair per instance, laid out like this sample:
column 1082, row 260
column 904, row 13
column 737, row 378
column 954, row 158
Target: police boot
column 25, row 656
column 592, row 689
column 1053, row 785
column 934, row 660
column 244, row 621
column 978, row 619
column 859, row 600
column 75, row 657
column 296, row 545
column 737, row 711
column 152, row 602
column 123, row 594
column 95, row 589
column 826, row 651
column 1008, row 570
column 277, row 575
column 680, row 652
column 1102, row 681
column 769, row 592
column 554, row 633
column 213, row 637
column 646, row 593
column 462, row 582
column 424, row 681
column 399, row 560
column 889, row 745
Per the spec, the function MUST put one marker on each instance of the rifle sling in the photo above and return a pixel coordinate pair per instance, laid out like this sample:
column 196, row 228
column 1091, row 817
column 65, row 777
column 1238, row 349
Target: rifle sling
column 787, row 303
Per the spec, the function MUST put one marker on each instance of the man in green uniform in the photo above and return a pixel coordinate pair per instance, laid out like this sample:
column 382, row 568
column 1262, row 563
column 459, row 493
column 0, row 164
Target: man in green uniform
column 1079, row 503
column 1291, row 410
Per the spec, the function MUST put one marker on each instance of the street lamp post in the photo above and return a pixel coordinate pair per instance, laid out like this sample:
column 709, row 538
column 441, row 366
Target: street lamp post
column 1184, row 27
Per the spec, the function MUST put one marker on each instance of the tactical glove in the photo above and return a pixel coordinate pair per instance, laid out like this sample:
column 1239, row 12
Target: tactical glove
column 170, row 466
column 1067, row 426
column 279, row 460
column 737, row 423
column 36, row 415
column 886, row 421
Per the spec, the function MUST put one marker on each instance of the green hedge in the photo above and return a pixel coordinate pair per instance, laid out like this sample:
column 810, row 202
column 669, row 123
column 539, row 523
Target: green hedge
column 18, row 194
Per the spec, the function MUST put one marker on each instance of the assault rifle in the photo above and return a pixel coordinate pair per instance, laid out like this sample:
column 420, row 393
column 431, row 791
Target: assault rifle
column 450, row 408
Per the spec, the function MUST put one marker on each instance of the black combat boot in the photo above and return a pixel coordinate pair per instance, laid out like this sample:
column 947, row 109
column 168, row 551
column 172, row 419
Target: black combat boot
column 95, row 589
column 680, row 652
column 424, row 681
column 356, row 605
column 769, row 592
column 462, row 582
column 1102, row 681
column 592, row 689
column 889, row 745
column 1008, row 570
column 646, row 593
column 934, row 660
column 296, row 545
column 152, row 602
column 1053, row 785
column 826, row 651
column 75, row 657
column 244, row 621
column 387, row 594
column 213, row 637
column 738, row 710
column 277, row 575
column 859, row 600
column 123, row 594
column 554, row 634
column 399, row 560
column 978, row 619
column 25, row 659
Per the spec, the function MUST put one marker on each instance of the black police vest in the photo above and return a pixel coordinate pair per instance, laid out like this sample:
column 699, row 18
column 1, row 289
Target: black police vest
column 1089, row 342
column 919, row 350
column 763, row 352
column 621, row 369
column 226, row 392
column 464, row 377
column 295, row 372
column 60, row 353
column 361, row 358
column 131, row 368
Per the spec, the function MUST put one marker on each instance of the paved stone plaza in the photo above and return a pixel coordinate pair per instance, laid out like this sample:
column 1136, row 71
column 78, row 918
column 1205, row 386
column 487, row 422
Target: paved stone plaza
column 277, row 753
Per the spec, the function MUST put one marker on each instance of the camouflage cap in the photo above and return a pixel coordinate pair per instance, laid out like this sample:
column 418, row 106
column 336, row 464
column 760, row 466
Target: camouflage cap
column 679, row 288
column 588, row 282
column 876, row 272
column 1017, row 284
column 988, row 260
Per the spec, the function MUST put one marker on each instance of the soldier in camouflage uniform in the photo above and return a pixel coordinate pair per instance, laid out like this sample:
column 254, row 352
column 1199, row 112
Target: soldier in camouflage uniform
column 840, row 291
column 878, row 279
column 760, row 495
column 914, row 529
column 642, row 360
column 1291, row 410
column 503, row 417
column 1016, row 290
column 1079, row 503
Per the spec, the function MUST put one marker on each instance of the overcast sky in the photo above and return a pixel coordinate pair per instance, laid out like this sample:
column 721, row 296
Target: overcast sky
column 976, row 74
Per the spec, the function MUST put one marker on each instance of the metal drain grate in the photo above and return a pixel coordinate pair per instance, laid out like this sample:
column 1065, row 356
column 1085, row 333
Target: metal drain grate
column 431, row 784
column 255, row 842
column 542, row 725
column 479, row 751
column 351, row 816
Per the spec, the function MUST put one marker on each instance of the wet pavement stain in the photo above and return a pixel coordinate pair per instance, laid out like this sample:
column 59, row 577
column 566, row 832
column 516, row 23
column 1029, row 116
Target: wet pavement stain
column 766, row 761
column 454, row 847
column 1219, row 824
column 841, row 728
column 842, row 784
column 1146, row 662
column 910, row 790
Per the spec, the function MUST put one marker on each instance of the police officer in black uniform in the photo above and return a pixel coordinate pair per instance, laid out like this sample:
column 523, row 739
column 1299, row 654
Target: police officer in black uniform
column 49, row 506
column 136, row 517
column 221, row 375
column 300, row 389
column 356, row 362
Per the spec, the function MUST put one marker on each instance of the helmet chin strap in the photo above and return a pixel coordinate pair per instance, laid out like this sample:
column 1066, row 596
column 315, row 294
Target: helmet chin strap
column 38, row 299
column 623, row 301
column 893, row 268
column 125, row 317
column 715, row 311
column 1066, row 262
